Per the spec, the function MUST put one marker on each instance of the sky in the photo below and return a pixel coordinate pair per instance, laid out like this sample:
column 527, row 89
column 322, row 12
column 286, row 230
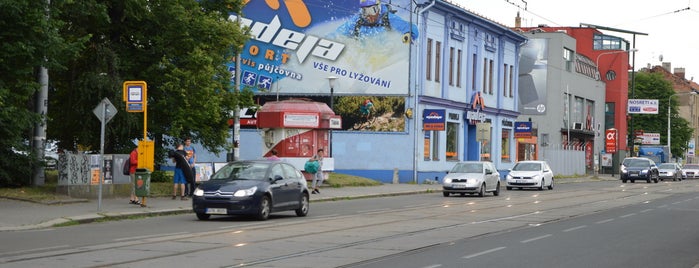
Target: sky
column 670, row 24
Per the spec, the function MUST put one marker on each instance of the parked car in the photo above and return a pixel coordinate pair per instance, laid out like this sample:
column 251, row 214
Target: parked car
column 639, row 168
column 530, row 174
column 690, row 171
column 256, row 187
column 472, row 177
column 670, row 171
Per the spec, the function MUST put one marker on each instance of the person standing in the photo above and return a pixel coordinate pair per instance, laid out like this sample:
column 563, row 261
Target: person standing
column 133, row 164
column 318, row 177
column 192, row 159
column 179, row 180
column 274, row 156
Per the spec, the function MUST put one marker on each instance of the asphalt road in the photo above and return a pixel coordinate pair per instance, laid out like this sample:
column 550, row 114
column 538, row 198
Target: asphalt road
column 357, row 233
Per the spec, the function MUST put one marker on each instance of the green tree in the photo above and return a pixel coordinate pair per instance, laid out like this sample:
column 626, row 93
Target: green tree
column 28, row 40
column 655, row 86
column 179, row 47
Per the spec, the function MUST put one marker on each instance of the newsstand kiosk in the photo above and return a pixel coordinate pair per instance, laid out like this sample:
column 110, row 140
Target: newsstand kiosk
column 296, row 129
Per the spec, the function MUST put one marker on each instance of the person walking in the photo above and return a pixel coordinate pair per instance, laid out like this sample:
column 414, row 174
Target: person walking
column 179, row 180
column 318, row 177
column 192, row 159
column 133, row 164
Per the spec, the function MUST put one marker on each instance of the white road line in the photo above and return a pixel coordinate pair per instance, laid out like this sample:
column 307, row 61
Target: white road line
column 574, row 228
column 433, row 266
column 627, row 215
column 604, row 221
column 662, row 206
column 535, row 238
column 483, row 252
column 646, row 210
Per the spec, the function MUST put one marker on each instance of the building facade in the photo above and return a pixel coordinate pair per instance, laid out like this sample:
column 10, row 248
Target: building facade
column 456, row 85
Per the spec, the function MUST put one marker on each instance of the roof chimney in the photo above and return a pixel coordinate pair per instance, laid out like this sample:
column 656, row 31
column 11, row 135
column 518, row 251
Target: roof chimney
column 679, row 72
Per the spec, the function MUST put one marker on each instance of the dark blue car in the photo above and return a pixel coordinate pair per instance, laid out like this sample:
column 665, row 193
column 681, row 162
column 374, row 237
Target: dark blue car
column 639, row 168
column 256, row 187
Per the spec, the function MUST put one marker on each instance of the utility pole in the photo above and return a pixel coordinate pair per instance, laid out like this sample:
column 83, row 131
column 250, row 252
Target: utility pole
column 41, row 107
column 235, row 151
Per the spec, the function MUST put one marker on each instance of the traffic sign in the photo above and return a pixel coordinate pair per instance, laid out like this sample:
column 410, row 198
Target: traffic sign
column 106, row 108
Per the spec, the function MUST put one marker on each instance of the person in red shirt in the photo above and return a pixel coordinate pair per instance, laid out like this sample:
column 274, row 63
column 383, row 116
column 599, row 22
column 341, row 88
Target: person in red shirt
column 133, row 164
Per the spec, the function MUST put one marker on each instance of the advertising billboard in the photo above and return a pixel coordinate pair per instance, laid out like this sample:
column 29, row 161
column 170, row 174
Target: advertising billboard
column 297, row 45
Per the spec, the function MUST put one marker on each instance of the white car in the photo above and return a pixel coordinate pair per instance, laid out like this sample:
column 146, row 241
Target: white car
column 472, row 177
column 530, row 174
column 690, row 171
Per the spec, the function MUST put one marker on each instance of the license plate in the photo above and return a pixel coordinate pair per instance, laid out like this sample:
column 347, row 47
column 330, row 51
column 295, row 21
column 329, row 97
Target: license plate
column 458, row 186
column 216, row 211
column 521, row 181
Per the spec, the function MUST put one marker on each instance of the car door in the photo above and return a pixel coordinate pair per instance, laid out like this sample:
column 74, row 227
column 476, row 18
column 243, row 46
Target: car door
column 279, row 188
column 548, row 173
column 491, row 177
column 295, row 184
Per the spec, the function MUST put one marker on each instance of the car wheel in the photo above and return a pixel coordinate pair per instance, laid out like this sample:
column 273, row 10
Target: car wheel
column 203, row 216
column 508, row 188
column 648, row 179
column 623, row 181
column 264, row 209
column 481, row 192
column 657, row 176
column 302, row 211
column 633, row 181
column 497, row 189
column 445, row 194
column 541, row 186
column 551, row 185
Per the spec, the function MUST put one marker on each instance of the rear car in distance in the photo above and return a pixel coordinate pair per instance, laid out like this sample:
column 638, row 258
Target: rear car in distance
column 670, row 171
column 690, row 171
column 472, row 177
column 639, row 168
column 254, row 187
column 530, row 174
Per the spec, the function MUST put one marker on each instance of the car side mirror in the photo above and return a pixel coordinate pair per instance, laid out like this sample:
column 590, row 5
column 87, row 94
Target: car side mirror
column 278, row 177
column 488, row 172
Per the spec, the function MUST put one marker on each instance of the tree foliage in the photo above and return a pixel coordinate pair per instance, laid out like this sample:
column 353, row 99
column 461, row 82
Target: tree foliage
column 90, row 47
column 655, row 86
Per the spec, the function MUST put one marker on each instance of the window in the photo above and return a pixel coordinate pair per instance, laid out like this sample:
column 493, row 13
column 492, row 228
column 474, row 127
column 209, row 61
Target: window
column 452, row 152
column 437, row 61
column 435, row 145
column 608, row 42
column 458, row 68
column 568, row 58
column 428, row 60
column 566, row 110
column 511, row 79
column 451, row 66
column 490, row 77
column 485, row 75
column 505, row 150
column 473, row 72
column 504, row 80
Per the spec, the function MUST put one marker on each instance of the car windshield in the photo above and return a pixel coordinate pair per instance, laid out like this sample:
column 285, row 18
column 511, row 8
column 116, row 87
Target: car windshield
column 527, row 167
column 666, row 166
column 468, row 168
column 241, row 171
column 691, row 167
column 637, row 163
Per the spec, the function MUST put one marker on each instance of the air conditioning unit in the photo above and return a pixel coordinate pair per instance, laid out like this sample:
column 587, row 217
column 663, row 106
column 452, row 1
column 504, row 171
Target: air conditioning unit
column 577, row 125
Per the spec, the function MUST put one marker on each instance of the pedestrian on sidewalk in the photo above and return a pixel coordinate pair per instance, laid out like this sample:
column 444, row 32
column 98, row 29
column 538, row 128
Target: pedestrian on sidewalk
column 192, row 160
column 318, row 177
column 181, row 166
column 133, row 164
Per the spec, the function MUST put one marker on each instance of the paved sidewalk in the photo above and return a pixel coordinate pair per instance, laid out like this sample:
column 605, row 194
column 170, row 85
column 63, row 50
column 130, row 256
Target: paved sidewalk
column 21, row 215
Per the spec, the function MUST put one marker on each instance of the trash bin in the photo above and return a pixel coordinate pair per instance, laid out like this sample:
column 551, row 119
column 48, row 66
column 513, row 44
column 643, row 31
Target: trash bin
column 142, row 182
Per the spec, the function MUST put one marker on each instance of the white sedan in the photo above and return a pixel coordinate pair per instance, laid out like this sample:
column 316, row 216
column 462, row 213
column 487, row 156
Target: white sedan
column 472, row 177
column 530, row 174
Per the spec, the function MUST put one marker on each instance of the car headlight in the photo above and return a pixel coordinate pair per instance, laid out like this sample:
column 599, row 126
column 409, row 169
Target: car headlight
column 645, row 171
column 670, row 173
column 198, row 192
column 508, row 177
column 245, row 192
column 447, row 180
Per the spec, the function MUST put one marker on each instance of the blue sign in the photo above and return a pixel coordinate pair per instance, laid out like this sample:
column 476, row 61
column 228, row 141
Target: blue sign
column 523, row 129
column 433, row 119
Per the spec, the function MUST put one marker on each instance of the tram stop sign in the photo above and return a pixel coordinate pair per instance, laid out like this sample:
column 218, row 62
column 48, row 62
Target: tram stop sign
column 108, row 108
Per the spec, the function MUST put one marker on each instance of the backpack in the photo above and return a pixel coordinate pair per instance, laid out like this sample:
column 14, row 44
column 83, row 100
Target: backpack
column 127, row 166
column 311, row 167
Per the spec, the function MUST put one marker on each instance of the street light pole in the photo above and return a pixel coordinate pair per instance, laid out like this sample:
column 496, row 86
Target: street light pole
column 611, row 52
column 669, row 126
column 331, row 82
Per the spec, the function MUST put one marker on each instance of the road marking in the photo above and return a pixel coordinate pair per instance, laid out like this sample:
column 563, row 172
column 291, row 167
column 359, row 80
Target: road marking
column 663, row 206
column 483, row 252
column 535, row 238
column 148, row 236
column 627, row 215
column 433, row 266
column 646, row 210
column 574, row 228
column 604, row 221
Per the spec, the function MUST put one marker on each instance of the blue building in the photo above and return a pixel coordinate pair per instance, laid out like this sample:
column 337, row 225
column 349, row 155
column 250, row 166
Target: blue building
column 448, row 77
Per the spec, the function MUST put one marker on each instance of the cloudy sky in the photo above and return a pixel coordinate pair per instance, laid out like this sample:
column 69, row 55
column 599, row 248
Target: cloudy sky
column 670, row 24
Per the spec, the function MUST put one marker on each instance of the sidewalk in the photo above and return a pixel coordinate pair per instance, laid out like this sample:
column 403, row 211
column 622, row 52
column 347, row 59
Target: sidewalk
column 21, row 215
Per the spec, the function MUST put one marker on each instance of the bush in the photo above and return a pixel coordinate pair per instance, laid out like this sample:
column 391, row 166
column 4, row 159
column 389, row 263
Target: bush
column 161, row 176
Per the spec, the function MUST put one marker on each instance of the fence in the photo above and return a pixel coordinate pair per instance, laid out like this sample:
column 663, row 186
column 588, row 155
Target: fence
column 565, row 160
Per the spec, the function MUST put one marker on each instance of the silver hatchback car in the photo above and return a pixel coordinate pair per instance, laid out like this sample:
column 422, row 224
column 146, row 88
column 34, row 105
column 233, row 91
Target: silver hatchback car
column 472, row 177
